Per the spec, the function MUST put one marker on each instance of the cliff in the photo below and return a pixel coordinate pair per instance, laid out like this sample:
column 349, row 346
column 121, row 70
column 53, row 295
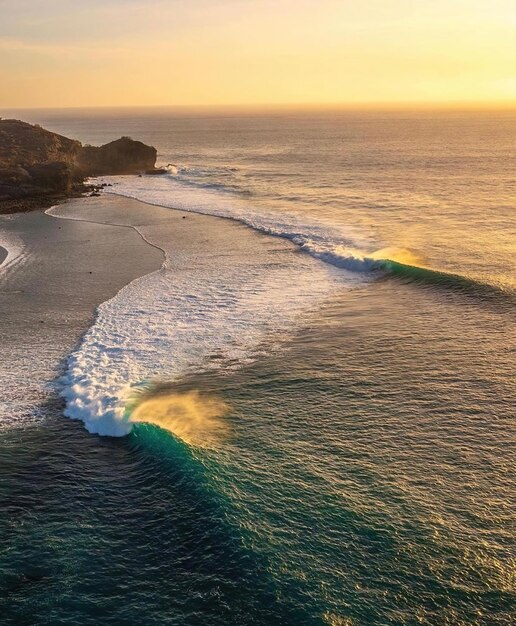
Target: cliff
column 38, row 167
column 123, row 156
column 25, row 144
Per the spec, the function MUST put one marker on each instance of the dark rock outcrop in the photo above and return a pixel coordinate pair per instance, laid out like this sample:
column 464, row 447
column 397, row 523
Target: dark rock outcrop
column 53, row 177
column 157, row 171
column 38, row 167
column 123, row 156
column 26, row 144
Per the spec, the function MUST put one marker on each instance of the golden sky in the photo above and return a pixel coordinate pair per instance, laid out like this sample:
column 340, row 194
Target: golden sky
column 239, row 52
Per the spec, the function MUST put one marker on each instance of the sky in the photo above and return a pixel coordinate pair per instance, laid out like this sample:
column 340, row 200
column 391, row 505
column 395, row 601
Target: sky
column 256, row 52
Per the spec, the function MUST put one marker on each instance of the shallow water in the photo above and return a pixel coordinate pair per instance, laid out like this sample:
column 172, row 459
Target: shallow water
column 351, row 459
column 438, row 184
column 50, row 283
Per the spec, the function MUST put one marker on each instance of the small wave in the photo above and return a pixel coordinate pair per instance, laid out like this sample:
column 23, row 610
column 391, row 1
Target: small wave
column 355, row 260
column 201, row 172
column 404, row 264
column 320, row 239
column 191, row 178
column 438, row 278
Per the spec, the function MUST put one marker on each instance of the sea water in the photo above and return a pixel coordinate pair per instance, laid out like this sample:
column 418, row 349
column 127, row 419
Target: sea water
column 316, row 426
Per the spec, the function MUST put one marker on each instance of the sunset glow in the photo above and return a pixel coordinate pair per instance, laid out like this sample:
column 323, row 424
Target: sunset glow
column 239, row 52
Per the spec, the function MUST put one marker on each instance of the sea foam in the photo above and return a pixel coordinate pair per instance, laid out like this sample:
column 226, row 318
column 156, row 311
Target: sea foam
column 342, row 246
column 213, row 312
column 205, row 309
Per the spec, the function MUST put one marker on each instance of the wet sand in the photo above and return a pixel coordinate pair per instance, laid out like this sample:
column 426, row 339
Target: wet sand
column 49, row 293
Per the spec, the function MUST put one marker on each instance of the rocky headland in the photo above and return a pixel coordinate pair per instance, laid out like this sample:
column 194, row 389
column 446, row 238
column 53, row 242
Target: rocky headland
column 38, row 167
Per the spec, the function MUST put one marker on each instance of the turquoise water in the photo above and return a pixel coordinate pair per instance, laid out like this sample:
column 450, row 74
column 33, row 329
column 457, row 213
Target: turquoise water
column 368, row 473
column 361, row 484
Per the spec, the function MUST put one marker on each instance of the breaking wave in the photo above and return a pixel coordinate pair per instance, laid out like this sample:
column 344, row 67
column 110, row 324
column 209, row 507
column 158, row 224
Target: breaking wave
column 200, row 312
column 218, row 313
column 341, row 246
column 406, row 265
column 194, row 417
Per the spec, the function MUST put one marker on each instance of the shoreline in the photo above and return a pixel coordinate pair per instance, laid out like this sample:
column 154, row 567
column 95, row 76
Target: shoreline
column 79, row 255
column 39, row 167
column 134, row 228
column 198, row 312
column 66, row 269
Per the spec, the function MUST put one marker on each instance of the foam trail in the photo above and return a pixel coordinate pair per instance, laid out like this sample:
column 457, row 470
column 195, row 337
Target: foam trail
column 215, row 310
column 314, row 236
column 342, row 247
column 221, row 311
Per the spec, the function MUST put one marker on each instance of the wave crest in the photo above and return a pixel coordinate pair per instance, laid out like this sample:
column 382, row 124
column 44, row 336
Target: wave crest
column 194, row 417
column 342, row 247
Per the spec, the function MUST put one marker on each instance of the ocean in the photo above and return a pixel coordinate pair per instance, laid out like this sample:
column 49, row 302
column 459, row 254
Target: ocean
column 305, row 415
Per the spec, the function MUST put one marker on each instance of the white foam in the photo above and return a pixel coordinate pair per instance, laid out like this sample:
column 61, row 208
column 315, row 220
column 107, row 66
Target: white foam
column 172, row 323
column 193, row 314
column 341, row 246
column 335, row 244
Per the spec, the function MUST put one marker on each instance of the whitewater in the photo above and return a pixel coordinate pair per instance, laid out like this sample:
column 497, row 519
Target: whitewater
column 170, row 324
column 216, row 303
column 344, row 247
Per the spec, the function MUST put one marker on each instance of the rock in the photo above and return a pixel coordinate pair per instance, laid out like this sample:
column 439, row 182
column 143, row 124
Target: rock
column 123, row 156
column 55, row 178
column 26, row 144
column 158, row 171
column 14, row 175
column 38, row 166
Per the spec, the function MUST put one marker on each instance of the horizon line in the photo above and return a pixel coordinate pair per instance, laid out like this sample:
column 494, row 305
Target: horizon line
column 350, row 106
